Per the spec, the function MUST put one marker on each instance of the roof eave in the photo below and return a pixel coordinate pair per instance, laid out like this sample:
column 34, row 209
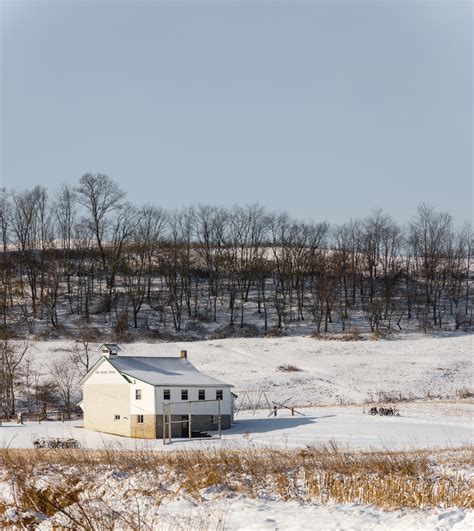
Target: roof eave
column 129, row 376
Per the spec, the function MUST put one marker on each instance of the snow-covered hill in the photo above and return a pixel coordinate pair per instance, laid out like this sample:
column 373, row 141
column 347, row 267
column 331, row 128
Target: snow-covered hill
column 329, row 372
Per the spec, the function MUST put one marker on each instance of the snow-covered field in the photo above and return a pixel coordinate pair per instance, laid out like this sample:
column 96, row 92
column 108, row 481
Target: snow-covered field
column 331, row 376
column 147, row 496
column 126, row 504
column 330, row 372
column 246, row 514
column 420, row 425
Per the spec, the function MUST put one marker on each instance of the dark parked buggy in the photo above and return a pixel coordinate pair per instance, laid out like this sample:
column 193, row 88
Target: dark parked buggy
column 384, row 411
column 56, row 442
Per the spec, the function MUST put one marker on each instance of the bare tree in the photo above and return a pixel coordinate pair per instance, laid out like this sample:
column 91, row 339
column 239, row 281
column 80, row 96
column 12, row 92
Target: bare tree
column 140, row 257
column 31, row 225
column 11, row 358
column 101, row 196
column 46, row 395
column 124, row 226
column 66, row 214
column 430, row 234
column 93, row 254
column 209, row 229
column 30, row 375
column 5, row 214
column 177, row 265
column 244, row 237
column 82, row 354
column 149, row 235
column 66, row 379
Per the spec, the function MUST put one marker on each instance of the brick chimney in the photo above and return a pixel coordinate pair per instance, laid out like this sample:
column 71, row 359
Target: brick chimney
column 183, row 354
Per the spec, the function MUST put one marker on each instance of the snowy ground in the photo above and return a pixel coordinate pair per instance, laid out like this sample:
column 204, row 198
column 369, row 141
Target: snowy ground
column 330, row 372
column 421, row 425
column 246, row 514
column 134, row 506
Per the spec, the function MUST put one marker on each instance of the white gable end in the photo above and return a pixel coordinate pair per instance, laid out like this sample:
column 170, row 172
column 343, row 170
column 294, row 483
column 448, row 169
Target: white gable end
column 104, row 373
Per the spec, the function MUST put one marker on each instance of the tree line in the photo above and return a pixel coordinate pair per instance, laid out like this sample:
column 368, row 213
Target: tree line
column 40, row 388
column 85, row 255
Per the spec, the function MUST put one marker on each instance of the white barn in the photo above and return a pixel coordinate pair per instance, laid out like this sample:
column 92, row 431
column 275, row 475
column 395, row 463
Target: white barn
column 127, row 395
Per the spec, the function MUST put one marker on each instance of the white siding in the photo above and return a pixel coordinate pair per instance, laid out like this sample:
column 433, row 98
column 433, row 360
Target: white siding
column 198, row 408
column 145, row 406
column 106, row 394
column 105, row 373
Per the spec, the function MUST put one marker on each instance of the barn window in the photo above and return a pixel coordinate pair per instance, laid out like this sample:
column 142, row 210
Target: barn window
column 202, row 394
column 184, row 394
column 138, row 394
column 116, row 417
column 166, row 394
column 219, row 394
column 139, row 419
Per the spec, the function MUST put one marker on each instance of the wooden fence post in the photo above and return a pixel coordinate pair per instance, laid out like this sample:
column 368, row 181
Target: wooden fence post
column 164, row 424
column 169, row 421
column 190, row 433
column 219, row 423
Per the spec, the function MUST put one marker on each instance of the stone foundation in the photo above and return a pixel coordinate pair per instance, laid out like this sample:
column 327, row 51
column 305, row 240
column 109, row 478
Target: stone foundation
column 145, row 429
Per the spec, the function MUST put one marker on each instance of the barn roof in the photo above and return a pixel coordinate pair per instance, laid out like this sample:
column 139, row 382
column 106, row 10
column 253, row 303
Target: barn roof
column 163, row 371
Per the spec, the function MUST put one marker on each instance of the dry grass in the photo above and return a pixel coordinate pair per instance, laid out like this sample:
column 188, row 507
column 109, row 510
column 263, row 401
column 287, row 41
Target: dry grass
column 288, row 368
column 69, row 483
column 465, row 393
column 352, row 334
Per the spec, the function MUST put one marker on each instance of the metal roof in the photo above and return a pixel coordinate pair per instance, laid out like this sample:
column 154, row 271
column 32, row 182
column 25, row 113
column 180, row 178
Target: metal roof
column 110, row 346
column 163, row 371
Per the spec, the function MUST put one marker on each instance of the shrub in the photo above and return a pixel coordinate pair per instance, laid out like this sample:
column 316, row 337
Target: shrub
column 465, row 393
column 350, row 335
column 120, row 329
column 235, row 331
column 274, row 332
column 288, row 368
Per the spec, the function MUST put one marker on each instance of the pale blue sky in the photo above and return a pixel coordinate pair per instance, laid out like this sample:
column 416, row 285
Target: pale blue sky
column 324, row 109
